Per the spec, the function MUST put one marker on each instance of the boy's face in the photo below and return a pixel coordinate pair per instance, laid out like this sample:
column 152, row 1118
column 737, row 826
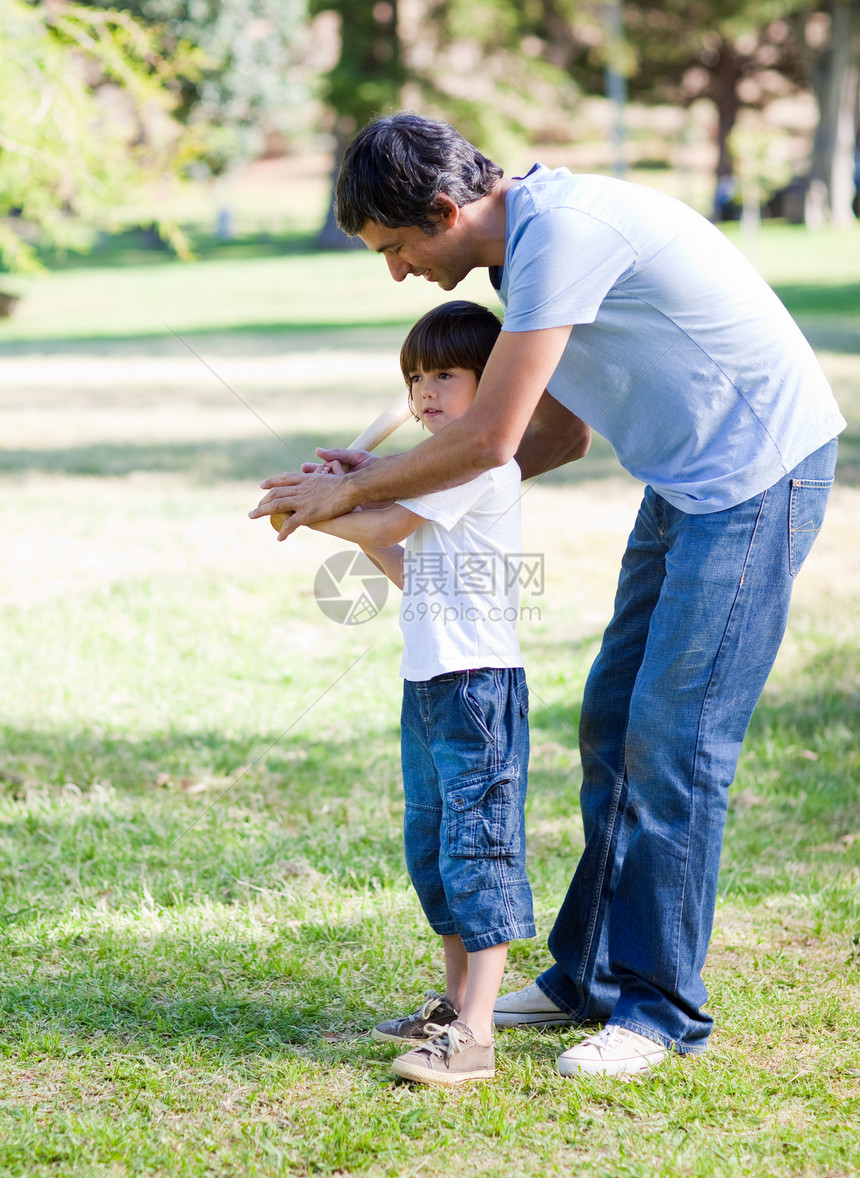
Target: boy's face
column 439, row 257
column 442, row 395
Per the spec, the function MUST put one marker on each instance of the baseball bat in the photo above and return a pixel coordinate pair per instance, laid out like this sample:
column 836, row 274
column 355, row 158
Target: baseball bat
column 390, row 419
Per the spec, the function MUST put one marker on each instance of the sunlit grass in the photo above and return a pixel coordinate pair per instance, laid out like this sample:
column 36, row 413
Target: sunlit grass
column 204, row 905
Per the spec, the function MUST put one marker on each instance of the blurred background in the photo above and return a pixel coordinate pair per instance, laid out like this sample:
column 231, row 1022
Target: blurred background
column 189, row 124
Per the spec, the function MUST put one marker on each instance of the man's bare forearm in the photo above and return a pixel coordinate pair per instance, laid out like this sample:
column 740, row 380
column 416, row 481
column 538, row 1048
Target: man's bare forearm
column 487, row 435
column 447, row 459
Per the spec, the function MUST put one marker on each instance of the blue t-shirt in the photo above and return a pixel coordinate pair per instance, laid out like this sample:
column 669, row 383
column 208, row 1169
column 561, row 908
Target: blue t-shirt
column 680, row 354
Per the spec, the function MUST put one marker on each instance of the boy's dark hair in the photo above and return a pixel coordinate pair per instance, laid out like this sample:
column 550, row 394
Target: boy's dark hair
column 397, row 166
column 458, row 334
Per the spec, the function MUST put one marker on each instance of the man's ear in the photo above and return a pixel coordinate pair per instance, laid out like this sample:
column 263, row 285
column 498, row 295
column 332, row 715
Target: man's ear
column 447, row 210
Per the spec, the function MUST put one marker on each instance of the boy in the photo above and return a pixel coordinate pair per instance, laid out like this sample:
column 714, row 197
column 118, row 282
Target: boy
column 464, row 728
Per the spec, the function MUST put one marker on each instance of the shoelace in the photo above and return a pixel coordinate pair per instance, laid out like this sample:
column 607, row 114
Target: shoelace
column 442, row 1041
column 604, row 1039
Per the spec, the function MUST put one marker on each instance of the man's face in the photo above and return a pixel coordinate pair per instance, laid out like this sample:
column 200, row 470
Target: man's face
column 438, row 257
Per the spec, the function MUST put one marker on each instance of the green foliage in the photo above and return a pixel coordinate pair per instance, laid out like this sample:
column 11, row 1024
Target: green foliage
column 85, row 112
column 250, row 81
column 370, row 70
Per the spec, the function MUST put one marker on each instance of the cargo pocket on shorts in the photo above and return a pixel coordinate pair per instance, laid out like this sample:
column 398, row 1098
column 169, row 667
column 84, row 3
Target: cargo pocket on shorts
column 483, row 813
column 807, row 503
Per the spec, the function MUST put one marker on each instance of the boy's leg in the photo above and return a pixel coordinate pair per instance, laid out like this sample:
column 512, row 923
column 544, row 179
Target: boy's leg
column 464, row 1049
column 486, row 969
column 473, row 983
column 481, row 756
column 421, row 821
column 423, row 807
column 456, row 969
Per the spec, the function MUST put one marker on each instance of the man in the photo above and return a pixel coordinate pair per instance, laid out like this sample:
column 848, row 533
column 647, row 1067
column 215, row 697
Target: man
column 627, row 311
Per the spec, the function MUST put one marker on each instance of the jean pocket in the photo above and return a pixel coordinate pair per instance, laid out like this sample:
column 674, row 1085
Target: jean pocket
column 807, row 503
column 484, row 813
column 480, row 697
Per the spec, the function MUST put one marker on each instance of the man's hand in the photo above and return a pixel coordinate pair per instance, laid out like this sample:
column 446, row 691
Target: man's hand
column 306, row 498
column 347, row 460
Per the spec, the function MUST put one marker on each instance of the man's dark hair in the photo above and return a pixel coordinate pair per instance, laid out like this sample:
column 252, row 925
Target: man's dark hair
column 396, row 167
column 458, row 334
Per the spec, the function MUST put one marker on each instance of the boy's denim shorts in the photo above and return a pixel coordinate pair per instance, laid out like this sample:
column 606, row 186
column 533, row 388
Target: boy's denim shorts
column 465, row 750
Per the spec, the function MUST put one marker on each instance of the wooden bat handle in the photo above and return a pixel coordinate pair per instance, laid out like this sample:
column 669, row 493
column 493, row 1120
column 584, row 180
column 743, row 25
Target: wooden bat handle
column 390, row 419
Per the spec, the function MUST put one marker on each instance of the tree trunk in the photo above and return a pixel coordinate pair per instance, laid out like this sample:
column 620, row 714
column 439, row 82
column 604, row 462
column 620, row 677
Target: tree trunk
column 366, row 79
column 725, row 75
column 330, row 237
column 836, row 79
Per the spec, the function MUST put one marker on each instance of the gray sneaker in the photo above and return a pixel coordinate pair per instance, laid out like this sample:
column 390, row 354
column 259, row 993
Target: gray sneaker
column 529, row 1007
column 451, row 1056
column 437, row 1012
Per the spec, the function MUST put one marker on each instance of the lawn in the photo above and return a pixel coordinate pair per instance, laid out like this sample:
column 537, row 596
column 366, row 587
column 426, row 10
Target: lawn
column 204, row 905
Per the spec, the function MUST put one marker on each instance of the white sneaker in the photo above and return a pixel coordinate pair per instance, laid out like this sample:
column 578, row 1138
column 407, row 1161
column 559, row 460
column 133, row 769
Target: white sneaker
column 529, row 1007
column 614, row 1051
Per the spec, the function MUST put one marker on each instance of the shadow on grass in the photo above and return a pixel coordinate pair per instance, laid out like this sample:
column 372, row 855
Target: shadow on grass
column 243, row 460
column 357, row 334
column 140, row 907
column 240, row 460
column 141, row 246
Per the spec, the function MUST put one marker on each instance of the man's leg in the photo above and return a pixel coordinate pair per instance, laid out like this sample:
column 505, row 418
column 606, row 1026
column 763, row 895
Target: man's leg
column 641, row 904
column 581, row 983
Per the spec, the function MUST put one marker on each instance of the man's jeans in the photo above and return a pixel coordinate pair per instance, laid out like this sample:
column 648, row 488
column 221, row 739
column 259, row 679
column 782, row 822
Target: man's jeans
column 699, row 615
column 465, row 753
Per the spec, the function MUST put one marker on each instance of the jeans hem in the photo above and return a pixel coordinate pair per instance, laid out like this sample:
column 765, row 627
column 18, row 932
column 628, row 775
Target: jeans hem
column 656, row 1036
column 499, row 936
column 544, row 988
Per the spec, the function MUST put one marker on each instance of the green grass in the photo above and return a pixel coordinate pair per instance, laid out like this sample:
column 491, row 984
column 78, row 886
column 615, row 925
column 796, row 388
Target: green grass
column 204, row 905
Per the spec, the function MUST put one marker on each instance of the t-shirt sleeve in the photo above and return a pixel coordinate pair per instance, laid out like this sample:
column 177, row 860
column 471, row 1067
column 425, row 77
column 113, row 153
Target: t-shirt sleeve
column 447, row 507
column 561, row 264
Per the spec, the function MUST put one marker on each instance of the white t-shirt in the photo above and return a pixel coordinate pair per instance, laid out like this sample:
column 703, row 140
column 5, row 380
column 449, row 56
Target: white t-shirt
column 680, row 354
column 461, row 577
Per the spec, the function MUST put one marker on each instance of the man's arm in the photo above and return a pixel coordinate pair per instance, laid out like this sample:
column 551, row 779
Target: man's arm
column 553, row 437
column 487, row 435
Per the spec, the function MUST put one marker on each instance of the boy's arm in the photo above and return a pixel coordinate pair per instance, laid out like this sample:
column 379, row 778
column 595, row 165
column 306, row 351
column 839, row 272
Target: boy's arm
column 389, row 561
column 372, row 529
column 378, row 533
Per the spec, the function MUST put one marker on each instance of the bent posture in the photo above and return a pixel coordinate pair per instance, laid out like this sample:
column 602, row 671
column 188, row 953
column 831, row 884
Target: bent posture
column 643, row 321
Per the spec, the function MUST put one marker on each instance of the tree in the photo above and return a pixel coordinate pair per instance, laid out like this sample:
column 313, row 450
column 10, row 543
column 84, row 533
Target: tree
column 250, row 79
column 475, row 62
column 85, row 118
column 831, row 38
column 366, row 78
column 735, row 53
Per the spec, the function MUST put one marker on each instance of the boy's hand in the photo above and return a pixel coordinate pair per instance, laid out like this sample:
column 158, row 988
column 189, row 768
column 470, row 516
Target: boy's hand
column 347, row 460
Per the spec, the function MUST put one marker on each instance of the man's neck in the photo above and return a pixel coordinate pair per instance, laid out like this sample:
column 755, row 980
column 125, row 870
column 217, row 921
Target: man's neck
column 487, row 224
